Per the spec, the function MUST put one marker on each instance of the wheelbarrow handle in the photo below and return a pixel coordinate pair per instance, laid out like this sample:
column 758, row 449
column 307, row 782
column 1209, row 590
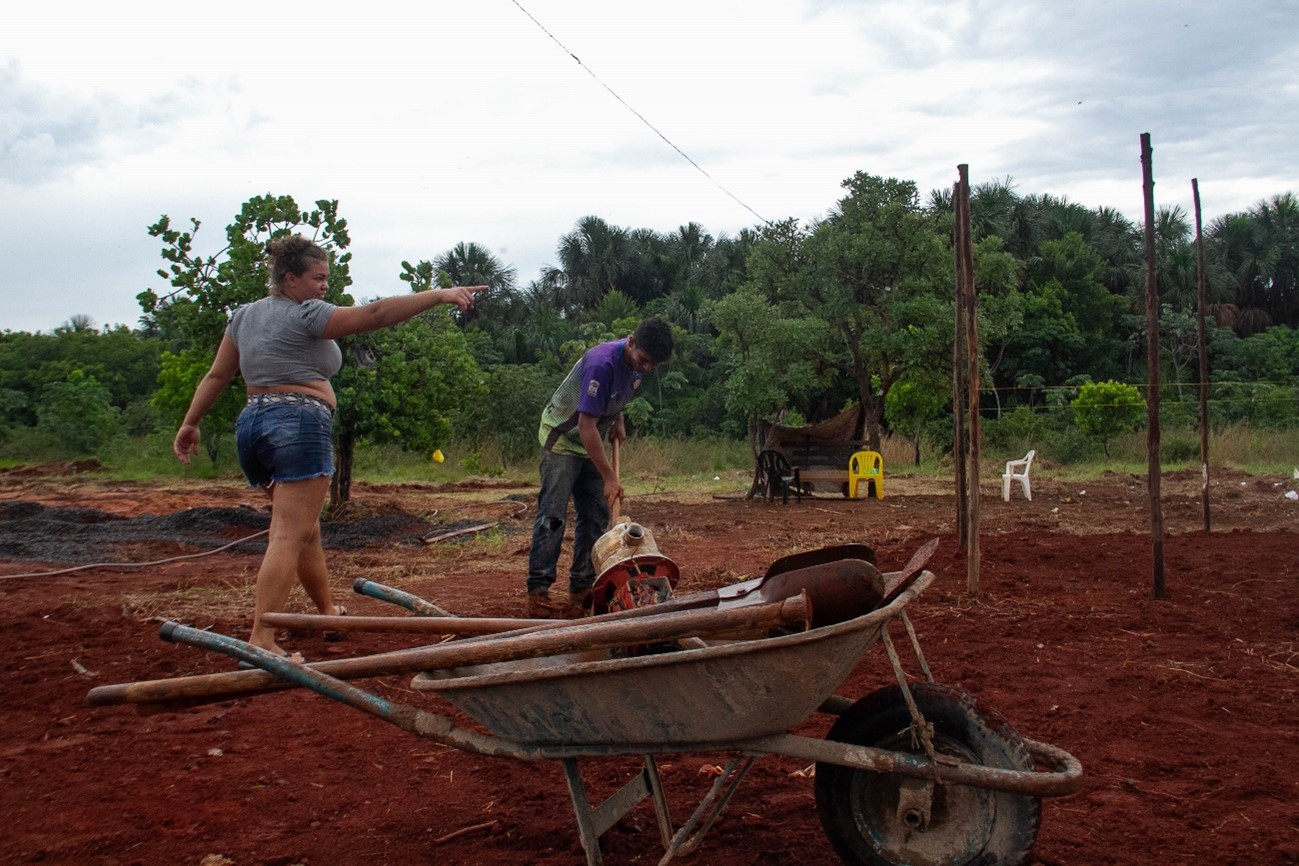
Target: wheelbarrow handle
column 457, row 625
column 580, row 636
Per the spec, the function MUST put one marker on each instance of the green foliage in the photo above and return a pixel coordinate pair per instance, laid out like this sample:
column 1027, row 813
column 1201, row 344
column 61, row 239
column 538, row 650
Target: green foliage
column 615, row 313
column 178, row 377
column 1271, row 355
column 1104, row 409
column 1261, row 404
column 205, row 290
column 77, row 414
column 510, row 413
column 912, row 404
column 1071, row 445
column 1020, row 429
column 637, row 415
column 123, row 363
column 140, row 418
column 1179, row 448
column 790, row 320
column 877, row 275
column 407, row 384
column 764, row 357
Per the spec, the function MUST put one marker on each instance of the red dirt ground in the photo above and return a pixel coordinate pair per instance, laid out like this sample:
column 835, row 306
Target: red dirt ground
column 1182, row 711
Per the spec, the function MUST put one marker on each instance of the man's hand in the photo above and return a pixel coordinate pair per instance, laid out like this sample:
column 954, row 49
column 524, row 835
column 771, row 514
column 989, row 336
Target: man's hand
column 613, row 493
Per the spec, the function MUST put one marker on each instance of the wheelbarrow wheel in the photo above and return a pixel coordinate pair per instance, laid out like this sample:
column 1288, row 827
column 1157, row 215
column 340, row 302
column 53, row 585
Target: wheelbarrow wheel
column 880, row 818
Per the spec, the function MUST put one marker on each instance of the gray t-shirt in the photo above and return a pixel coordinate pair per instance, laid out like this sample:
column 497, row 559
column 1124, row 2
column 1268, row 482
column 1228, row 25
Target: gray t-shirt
column 279, row 341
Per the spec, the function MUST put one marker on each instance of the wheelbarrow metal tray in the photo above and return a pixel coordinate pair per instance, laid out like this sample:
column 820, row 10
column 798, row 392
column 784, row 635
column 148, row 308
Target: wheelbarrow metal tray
column 694, row 697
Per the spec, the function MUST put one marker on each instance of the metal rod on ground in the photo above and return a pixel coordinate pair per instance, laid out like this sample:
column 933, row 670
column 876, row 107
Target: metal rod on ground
column 398, row 597
column 472, row 625
column 579, row 637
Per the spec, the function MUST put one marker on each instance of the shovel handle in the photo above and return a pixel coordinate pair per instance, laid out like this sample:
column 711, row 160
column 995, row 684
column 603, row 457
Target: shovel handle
column 617, row 505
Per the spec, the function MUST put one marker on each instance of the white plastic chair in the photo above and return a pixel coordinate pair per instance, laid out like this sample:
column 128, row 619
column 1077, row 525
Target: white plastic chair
column 1017, row 470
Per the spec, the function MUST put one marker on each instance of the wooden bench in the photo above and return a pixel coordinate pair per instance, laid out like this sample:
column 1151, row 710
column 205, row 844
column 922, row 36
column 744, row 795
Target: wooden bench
column 821, row 465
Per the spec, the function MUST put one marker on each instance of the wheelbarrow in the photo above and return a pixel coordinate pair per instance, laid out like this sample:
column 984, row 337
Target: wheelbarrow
column 913, row 773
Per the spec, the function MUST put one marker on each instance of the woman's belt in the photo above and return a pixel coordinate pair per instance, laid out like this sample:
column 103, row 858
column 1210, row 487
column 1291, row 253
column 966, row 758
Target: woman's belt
column 289, row 399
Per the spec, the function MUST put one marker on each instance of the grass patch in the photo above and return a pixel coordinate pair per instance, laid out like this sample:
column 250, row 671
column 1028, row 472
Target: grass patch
column 232, row 598
column 715, row 466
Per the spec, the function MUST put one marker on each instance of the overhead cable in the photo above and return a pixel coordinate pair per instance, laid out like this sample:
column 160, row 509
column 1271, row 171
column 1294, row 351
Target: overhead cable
column 641, row 117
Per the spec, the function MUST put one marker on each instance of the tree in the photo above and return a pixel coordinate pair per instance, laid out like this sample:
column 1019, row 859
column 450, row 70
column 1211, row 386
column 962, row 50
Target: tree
column 78, row 414
column 912, row 403
column 511, row 410
column 206, row 290
column 179, row 375
column 877, row 274
column 121, row 362
column 468, row 264
column 765, row 358
column 592, row 257
column 407, row 385
column 1070, row 273
column 403, row 384
column 1105, row 409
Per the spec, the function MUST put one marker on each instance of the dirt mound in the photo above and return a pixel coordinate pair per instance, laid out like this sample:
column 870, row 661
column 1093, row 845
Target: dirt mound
column 1182, row 710
column 42, row 470
column 32, row 532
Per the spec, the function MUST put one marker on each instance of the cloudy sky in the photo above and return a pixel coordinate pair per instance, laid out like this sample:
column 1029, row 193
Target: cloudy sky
column 503, row 122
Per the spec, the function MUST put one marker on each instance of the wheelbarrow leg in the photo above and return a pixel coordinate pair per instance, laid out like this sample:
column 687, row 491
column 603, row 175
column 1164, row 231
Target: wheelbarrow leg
column 708, row 811
column 594, row 823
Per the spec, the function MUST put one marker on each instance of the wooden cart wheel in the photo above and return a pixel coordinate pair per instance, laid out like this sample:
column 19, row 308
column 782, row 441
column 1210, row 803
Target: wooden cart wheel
column 879, row 818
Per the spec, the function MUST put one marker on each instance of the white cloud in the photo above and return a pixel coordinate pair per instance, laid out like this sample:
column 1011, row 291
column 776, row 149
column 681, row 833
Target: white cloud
column 437, row 124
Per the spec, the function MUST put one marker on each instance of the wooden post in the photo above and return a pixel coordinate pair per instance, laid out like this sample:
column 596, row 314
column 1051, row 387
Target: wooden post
column 965, row 255
column 958, row 380
column 1202, row 287
column 1152, row 371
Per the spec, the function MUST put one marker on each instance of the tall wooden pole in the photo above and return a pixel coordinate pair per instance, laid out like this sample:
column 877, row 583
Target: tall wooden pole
column 1202, row 287
column 965, row 252
column 958, row 380
column 1152, row 372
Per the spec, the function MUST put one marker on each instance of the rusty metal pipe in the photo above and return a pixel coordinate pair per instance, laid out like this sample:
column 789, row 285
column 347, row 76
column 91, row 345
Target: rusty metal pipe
column 1064, row 777
column 578, row 637
column 468, row 625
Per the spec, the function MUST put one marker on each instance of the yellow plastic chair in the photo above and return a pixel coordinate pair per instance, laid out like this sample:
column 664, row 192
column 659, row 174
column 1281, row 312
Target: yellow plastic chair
column 866, row 466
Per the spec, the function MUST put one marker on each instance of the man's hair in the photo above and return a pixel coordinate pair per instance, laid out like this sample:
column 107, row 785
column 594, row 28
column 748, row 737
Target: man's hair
column 655, row 337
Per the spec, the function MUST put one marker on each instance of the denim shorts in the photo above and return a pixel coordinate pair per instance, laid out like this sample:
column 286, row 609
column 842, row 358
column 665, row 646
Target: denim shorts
column 280, row 442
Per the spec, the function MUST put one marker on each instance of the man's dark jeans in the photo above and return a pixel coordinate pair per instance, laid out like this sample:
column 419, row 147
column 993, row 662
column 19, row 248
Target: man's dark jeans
column 564, row 477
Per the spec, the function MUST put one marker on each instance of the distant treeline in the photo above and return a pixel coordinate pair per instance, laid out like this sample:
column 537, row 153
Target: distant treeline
column 787, row 320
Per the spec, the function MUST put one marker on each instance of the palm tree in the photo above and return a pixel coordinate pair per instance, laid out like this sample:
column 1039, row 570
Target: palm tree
column 468, row 264
column 591, row 257
column 1277, row 223
column 992, row 209
column 1256, row 256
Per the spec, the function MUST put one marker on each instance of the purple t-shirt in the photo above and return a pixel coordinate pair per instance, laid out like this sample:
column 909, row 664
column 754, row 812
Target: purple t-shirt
column 601, row 383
